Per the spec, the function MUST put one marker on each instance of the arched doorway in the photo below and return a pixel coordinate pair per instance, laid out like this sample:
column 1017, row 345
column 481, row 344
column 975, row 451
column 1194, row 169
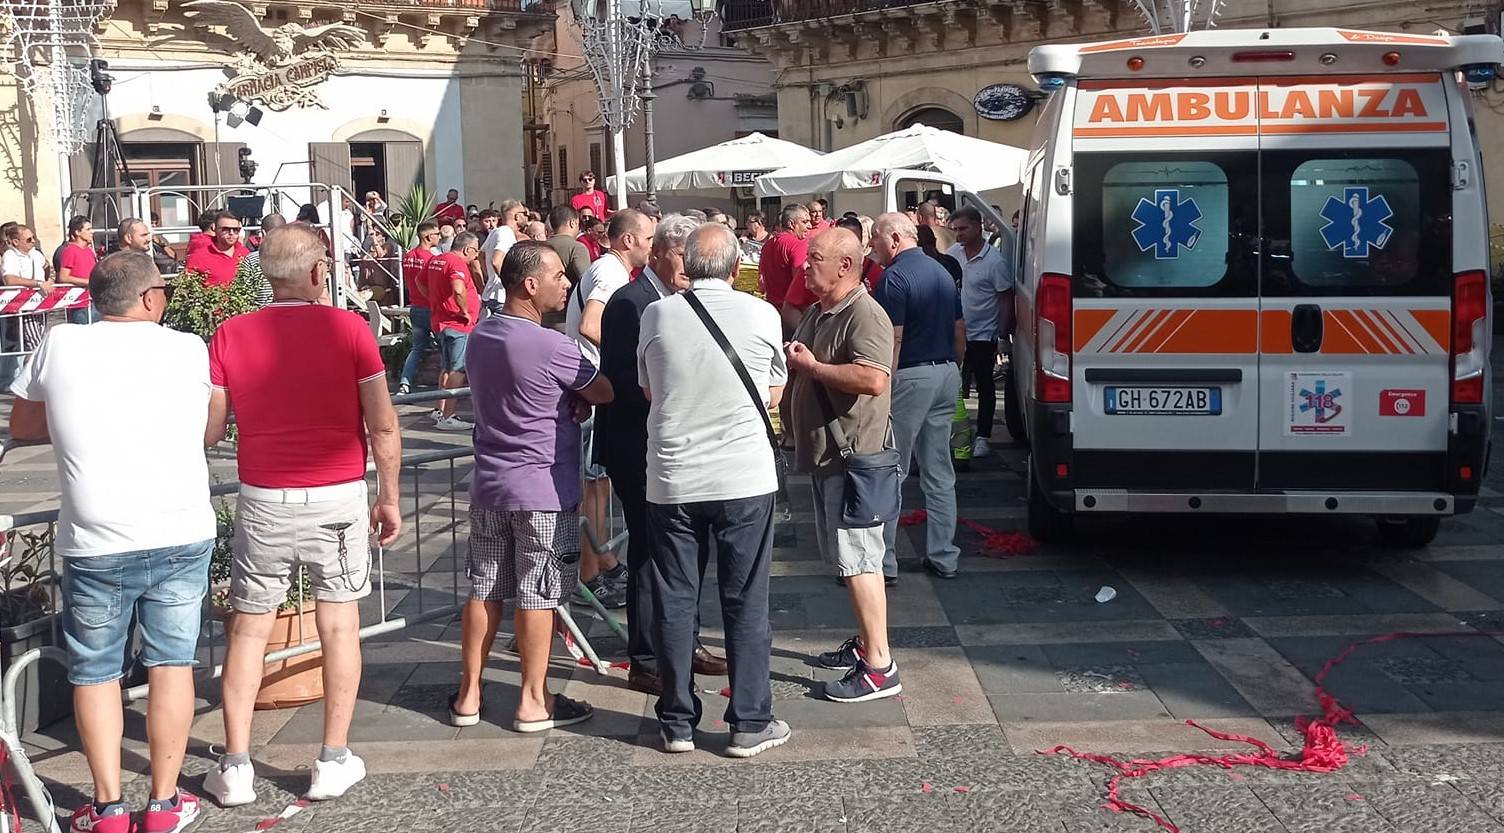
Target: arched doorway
column 936, row 117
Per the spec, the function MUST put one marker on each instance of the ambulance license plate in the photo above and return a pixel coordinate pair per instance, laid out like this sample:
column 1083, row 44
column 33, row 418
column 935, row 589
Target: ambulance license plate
column 1146, row 401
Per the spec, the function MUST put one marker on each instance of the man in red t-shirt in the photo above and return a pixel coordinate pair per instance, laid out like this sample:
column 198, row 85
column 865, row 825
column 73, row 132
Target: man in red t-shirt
column 307, row 386
column 782, row 263
column 454, row 304
column 218, row 261
column 819, row 216
column 590, row 198
column 415, row 282
column 450, row 209
column 203, row 238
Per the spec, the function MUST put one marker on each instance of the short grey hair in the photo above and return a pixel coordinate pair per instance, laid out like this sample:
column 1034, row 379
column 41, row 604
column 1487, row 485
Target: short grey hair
column 288, row 253
column 891, row 222
column 127, row 226
column 712, row 253
column 674, row 231
column 464, row 240
column 791, row 213
column 119, row 280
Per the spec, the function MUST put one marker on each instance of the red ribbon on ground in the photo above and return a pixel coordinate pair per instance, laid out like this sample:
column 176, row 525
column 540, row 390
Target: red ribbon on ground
column 586, row 663
column 1322, row 751
column 994, row 541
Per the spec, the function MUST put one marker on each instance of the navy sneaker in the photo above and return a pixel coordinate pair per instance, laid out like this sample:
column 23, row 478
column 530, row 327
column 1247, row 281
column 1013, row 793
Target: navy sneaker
column 863, row 683
column 844, row 657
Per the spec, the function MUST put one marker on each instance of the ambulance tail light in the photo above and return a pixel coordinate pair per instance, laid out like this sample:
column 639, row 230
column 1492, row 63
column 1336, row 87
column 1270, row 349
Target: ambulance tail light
column 1052, row 327
column 1469, row 337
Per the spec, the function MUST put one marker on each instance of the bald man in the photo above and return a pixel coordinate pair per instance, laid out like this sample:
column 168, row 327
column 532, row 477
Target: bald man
column 842, row 353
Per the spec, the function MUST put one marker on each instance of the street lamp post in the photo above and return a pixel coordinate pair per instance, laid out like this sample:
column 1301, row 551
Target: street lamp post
column 701, row 10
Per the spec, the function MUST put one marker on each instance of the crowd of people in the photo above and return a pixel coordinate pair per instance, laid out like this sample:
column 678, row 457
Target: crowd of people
column 638, row 371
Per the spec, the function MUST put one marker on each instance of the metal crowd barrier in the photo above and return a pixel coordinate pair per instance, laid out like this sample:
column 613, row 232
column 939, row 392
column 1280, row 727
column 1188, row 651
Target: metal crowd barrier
column 15, row 756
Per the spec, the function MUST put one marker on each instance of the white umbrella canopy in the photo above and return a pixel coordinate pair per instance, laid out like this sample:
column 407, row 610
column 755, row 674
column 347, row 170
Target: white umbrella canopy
column 978, row 164
column 732, row 163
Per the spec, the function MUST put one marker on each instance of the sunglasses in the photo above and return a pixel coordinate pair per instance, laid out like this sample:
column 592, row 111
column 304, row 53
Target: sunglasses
column 223, row 229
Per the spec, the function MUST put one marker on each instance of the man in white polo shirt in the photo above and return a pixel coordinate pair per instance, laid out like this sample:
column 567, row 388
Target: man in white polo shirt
column 711, row 475
column 987, row 305
column 307, row 386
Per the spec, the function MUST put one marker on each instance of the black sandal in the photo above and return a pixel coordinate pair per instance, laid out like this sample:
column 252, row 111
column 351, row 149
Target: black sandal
column 567, row 712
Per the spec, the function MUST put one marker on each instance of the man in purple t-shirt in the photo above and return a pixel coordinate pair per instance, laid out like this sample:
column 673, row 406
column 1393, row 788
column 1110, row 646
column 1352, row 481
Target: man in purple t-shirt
column 530, row 387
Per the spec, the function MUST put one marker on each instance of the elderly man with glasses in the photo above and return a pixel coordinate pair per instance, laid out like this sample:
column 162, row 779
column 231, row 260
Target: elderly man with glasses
column 218, row 261
column 136, row 528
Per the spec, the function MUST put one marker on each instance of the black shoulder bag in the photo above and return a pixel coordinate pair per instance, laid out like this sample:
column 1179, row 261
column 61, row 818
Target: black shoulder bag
column 871, row 483
column 780, row 461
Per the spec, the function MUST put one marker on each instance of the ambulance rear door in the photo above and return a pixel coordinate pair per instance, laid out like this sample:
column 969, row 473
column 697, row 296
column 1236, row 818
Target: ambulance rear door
column 1164, row 288
column 1356, row 283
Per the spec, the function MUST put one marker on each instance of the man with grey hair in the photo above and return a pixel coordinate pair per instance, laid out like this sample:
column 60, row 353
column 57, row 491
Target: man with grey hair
column 781, row 267
column 929, row 343
column 308, row 390
column 624, row 443
column 711, row 363
column 136, row 528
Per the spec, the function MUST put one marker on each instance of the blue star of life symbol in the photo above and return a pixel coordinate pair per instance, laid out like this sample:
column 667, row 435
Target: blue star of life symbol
column 1322, row 401
column 1166, row 223
column 1356, row 222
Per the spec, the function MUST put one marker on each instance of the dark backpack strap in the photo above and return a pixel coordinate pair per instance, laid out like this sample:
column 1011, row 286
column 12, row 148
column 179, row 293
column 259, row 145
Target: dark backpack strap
column 736, row 362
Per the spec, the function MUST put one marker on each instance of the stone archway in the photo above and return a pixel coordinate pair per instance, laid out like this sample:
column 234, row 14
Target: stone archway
column 901, row 112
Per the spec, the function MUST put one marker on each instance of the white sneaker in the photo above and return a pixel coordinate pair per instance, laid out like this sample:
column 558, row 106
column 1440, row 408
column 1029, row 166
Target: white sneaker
column 332, row 779
column 436, row 415
column 981, row 448
column 453, row 423
column 232, row 787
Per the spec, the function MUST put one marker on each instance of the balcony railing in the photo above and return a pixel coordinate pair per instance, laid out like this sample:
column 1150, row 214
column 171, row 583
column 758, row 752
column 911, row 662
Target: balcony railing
column 750, row 14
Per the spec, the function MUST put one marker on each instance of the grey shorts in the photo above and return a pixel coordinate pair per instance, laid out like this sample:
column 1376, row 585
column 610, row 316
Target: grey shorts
column 533, row 557
column 854, row 552
column 325, row 530
column 588, row 469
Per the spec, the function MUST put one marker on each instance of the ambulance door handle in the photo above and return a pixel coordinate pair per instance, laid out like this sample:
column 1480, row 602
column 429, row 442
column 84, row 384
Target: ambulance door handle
column 1305, row 328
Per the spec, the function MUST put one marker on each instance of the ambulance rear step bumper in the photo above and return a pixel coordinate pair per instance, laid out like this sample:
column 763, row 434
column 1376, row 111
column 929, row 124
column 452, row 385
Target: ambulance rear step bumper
column 1272, row 503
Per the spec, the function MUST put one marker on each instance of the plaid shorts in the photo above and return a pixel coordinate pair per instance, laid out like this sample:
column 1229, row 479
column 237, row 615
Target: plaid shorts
column 533, row 557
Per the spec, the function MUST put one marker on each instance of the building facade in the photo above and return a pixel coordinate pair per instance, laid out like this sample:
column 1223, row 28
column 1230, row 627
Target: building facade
column 705, row 92
column 850, row 70
column 367, row 96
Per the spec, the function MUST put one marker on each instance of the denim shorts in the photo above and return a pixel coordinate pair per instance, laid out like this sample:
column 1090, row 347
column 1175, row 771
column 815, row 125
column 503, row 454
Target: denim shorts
column 164, row 587
column 452, row 350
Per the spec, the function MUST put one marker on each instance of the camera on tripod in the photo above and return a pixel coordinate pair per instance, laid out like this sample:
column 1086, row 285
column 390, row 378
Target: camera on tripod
column 101, row 81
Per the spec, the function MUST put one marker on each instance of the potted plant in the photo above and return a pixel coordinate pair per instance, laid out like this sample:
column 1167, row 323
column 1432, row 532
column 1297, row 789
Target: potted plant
column 29, row 618
column 413, row 208
column 290, row 683
column 199, row 308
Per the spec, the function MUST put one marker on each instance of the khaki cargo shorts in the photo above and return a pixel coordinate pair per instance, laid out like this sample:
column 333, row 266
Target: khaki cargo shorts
column 325, row 530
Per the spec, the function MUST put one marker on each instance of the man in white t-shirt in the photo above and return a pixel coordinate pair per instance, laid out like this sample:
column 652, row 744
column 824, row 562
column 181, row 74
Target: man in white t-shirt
column 494, row 250
column 631, row 235
column 987, row 303
column 711, row 475
column 136, row 528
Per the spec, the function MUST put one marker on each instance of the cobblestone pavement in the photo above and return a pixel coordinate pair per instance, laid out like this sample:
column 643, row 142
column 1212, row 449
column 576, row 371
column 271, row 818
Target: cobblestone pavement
column 1220, row 621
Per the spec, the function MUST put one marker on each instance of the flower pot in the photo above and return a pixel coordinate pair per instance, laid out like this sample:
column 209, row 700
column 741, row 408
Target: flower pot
column 293, row 682
column 40, row 693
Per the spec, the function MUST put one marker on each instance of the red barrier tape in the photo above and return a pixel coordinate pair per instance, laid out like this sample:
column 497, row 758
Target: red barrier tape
column 1322, row 751
column 8, row 806
column 993, row 540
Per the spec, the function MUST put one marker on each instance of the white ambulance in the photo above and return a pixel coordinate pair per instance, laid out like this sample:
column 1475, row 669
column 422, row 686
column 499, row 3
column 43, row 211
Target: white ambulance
column 1253, row 278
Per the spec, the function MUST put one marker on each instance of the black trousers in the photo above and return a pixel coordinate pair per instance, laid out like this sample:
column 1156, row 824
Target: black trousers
column 742, row 530
column 981, row 359
column 631, row 489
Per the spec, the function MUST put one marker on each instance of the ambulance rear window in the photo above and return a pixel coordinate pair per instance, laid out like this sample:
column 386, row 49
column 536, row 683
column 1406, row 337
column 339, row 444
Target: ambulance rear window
column 1161, row 224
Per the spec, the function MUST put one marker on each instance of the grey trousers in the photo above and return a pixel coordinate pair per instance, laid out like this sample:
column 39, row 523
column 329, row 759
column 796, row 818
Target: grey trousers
column 924, row 400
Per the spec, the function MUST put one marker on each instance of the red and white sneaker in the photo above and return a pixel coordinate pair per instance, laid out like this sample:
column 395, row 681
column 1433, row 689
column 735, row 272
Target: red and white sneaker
column 117, row 819
column 162, row 819
column 863, row 683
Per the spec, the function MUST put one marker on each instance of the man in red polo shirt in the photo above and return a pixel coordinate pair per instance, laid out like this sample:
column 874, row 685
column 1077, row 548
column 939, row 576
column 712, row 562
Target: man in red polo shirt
column 307, row 386
column 415, row 282
column 454, row 304
column 783, row 259
column 218, row 261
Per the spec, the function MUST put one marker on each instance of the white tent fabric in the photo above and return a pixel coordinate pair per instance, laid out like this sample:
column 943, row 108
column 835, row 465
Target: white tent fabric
column 978, row 164
column 727, row 165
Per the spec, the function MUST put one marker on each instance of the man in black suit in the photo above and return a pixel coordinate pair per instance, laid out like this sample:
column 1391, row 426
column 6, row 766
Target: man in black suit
column 622, row 441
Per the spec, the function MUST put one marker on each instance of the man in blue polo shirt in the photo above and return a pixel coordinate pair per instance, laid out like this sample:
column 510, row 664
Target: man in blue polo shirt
column 929, row 341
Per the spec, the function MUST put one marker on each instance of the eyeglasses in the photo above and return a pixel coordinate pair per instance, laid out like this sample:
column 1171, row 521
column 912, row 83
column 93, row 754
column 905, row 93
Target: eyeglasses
column 166, row 291
column 223, row 229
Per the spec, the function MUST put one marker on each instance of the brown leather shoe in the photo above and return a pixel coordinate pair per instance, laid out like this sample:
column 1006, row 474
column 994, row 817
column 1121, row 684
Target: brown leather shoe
column 708, row 664
column 645, row 682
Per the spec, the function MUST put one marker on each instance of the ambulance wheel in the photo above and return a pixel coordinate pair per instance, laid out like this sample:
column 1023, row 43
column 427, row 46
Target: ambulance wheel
column 1047, row 524
column 1408, row 533
column 1013, row 415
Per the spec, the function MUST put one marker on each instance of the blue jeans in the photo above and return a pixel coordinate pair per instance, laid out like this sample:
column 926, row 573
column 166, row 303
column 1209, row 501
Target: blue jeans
column 422, row 343
column 83, row 315
column 165, row 589
column 743, row 533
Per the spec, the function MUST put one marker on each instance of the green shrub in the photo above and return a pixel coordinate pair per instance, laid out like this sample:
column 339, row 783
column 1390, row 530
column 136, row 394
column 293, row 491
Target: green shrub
column 198, row 308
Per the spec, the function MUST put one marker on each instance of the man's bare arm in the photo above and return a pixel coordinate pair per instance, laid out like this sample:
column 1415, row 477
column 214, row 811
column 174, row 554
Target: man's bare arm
column 386, row 449
column 219, row 417
column 862, row 379
column 960, row 342
column 897, row 342
column 28, row 421
column 590, row 322
column 599, row 391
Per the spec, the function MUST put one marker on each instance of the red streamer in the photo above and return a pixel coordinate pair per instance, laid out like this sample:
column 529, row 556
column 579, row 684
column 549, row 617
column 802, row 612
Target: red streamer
column 1322, row 750
column 915, row 518
column 993, row 540
column 586, row 663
